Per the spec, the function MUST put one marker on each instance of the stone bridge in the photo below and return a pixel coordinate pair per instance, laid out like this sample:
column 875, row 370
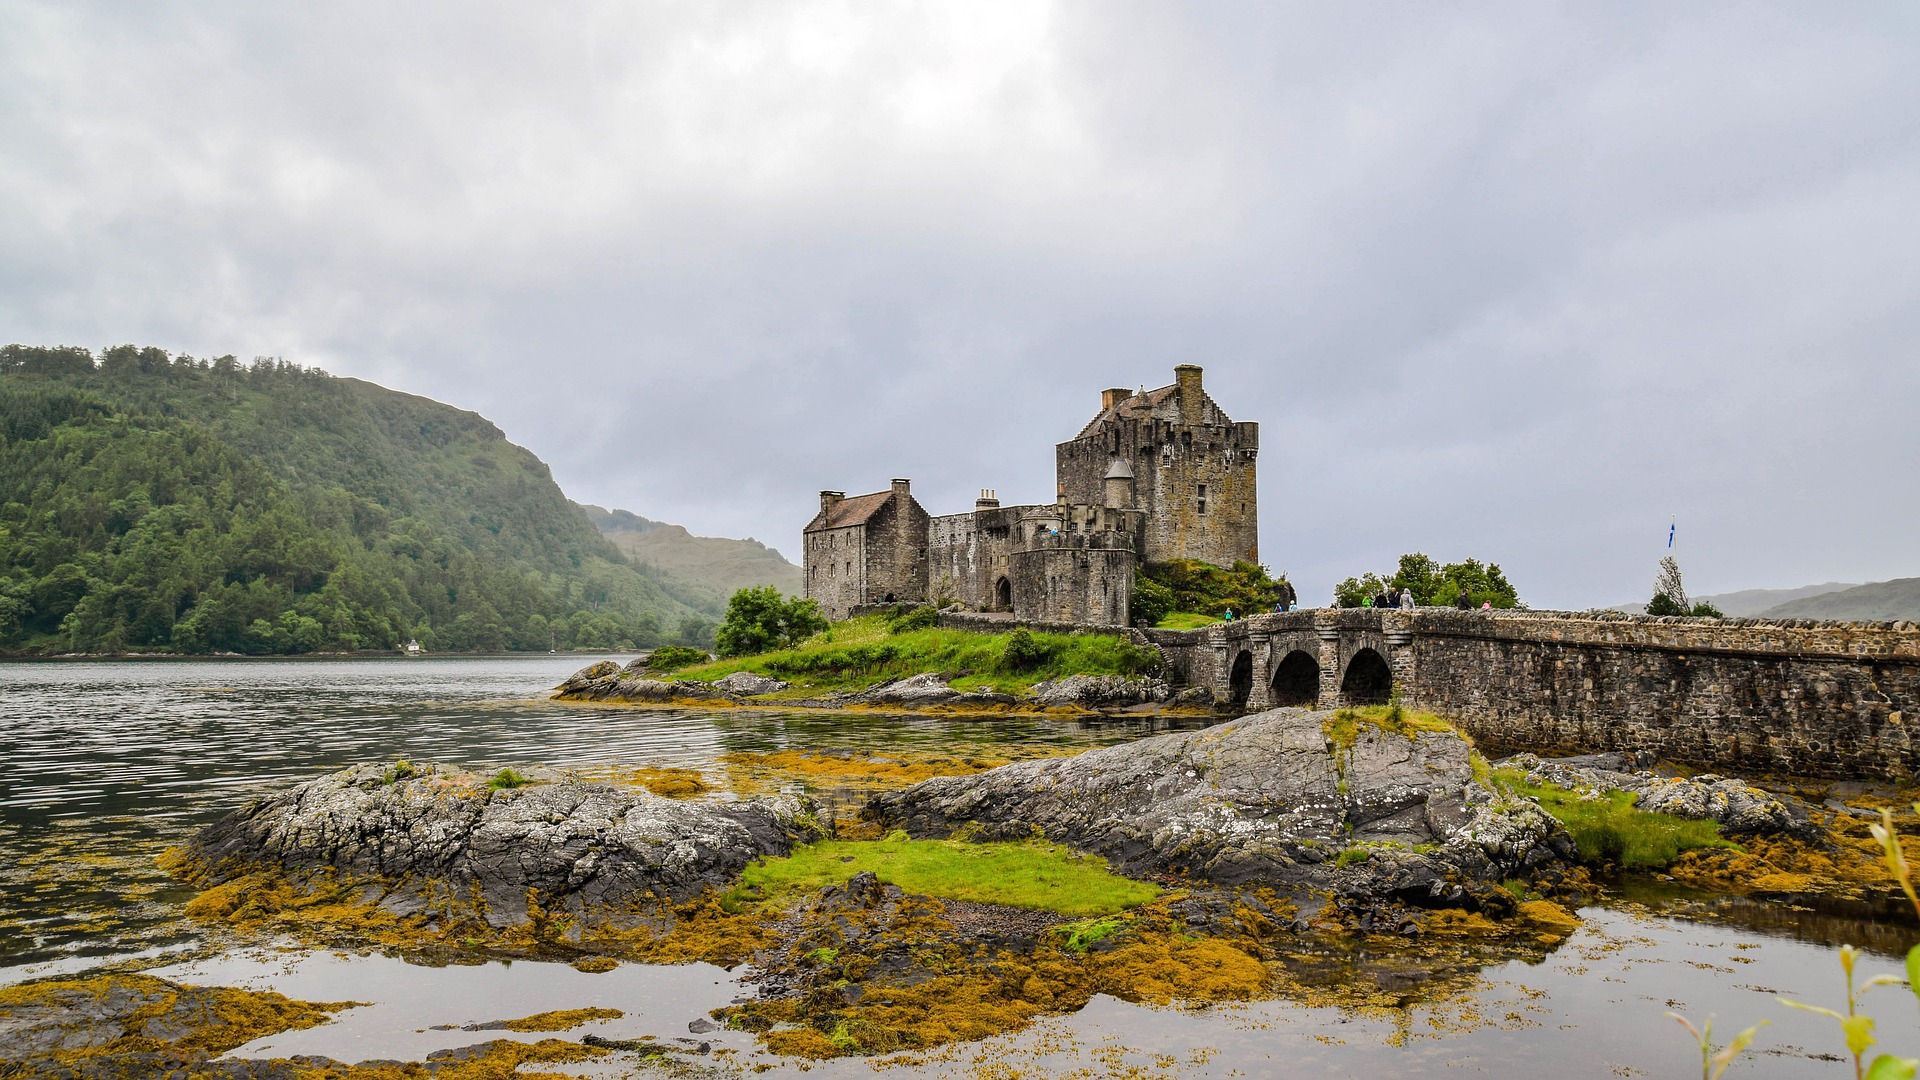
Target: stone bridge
column 1739, row 695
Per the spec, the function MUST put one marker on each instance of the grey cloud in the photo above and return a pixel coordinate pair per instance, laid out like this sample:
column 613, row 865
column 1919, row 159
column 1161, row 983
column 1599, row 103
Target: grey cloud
column 1512, row 281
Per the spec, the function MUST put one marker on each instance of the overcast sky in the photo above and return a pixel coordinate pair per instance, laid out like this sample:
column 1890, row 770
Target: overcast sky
column 1519, row 282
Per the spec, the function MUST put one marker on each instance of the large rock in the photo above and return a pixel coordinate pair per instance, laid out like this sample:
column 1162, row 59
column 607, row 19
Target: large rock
column 1101, row 692
column 587, row 848
column 1267, row 799
column 747, row 684
column 1740, row 808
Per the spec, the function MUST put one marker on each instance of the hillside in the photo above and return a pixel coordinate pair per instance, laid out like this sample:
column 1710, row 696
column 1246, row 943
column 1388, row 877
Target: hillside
column 1879, row 601
column 150, row 502
column 720, row 564
column 1748, row 603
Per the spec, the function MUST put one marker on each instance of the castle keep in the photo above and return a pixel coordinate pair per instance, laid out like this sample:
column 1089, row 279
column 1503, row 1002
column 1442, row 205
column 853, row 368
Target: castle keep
column 1154, row 476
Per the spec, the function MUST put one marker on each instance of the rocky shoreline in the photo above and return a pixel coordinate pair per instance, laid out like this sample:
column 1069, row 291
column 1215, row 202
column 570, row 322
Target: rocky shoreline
column 610, row 683
column 1265, row 834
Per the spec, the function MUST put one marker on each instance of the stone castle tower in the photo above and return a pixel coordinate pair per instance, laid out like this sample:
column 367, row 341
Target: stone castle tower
column 1192, row 470
column 1155, row 476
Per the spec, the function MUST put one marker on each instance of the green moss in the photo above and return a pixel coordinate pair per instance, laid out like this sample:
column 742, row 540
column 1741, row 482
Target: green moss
column 1077, row 937
column 1350, row 856
column 1032, row 874
column 507, row 780
column 1344, row 727
column 1612, row 831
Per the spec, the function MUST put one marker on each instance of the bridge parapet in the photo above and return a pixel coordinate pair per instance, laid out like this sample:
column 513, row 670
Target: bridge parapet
column 1791, row 696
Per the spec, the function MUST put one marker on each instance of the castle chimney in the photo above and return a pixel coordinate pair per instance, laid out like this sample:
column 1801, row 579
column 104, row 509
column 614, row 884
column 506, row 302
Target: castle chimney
column 830, row 499
column 987, row 500
column 1192, row 398
column 1110, row 398
column 901, row 489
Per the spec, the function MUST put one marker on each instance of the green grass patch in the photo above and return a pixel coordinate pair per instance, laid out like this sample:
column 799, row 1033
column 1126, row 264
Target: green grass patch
column 1032, row 874
column 1185, row 620
column 865, row 652
column 1612, row 831
column 1078, row 937
column 507, row 780
column 1344, row 727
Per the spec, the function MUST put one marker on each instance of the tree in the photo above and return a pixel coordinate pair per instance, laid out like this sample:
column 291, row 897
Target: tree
column 759, row 620
column 1353, row 592
column 1434, row 585
column 1670, row 595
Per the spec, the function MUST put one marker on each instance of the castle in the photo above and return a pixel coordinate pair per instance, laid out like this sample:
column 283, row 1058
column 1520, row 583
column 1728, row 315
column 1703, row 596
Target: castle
column 1155, row 476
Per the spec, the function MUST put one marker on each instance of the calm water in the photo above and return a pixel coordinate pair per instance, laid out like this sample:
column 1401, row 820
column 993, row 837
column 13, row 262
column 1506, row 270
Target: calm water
column 108, row 763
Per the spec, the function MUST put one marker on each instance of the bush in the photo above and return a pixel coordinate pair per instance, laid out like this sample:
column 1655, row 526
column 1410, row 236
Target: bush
column 1151, row 601
column 759, row 620
column 1025, row 652
column 674, row 657
column 920, row 618
column 1202, row 587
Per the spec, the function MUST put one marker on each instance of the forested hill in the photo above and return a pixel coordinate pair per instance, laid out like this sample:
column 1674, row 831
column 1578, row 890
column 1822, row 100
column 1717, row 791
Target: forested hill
column 720, row 564
column 153, row 502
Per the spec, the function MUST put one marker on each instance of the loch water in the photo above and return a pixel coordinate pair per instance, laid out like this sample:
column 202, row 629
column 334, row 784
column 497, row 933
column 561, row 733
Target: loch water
column 109, row 763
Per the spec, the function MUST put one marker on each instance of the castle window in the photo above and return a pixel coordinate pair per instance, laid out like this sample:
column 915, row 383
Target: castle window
column 1186, row 440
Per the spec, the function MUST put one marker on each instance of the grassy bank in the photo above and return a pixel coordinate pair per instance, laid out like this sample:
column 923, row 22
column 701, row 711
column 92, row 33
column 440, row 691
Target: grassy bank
column 862, row 653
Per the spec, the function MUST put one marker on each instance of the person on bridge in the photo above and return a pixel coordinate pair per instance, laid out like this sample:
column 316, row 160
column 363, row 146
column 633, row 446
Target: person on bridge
column 1463, row 601
column 1406, row 599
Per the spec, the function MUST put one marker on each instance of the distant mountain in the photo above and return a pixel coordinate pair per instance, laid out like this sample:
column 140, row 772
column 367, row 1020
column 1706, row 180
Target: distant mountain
column 1748, row 603
column 162, row 503
column 718, row 564
column 1879, row 601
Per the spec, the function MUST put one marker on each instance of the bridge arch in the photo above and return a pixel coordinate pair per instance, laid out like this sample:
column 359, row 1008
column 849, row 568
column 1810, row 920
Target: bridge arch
column 1368, row 679
column 1240, row 679
column 1296, row 681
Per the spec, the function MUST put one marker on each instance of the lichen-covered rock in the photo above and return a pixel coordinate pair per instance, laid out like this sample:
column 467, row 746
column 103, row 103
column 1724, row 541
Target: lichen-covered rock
column 926, row 688
column 1740, row 808
column 1101, row 692
column 589, row 677
column 747, row 684
column 434, row 833
column 1267, row 799
column 607, row 681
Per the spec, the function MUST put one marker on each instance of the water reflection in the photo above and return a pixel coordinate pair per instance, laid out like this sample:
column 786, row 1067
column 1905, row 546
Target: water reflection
column 108, row 763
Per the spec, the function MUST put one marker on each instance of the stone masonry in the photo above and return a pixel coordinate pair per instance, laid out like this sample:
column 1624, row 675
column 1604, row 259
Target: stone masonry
column 1155, row 476
column 1738, row 695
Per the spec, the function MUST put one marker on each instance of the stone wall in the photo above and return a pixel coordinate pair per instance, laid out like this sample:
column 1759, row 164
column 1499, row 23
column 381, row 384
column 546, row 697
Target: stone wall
column 1194, row 474
column 835, row 565
column 989, row 624
column 1740, row 696
column 1074, row 578
column 1833, row 700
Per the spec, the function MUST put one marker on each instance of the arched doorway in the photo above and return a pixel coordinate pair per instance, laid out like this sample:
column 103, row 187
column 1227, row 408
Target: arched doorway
column 1297, row 680
column 1003, row 595
column 1240, row 680
column 1369, row 681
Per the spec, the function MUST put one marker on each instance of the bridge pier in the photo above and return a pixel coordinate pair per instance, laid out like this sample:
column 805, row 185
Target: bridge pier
column 1329, row 664
column 1397, row 628
column 1260, row 643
